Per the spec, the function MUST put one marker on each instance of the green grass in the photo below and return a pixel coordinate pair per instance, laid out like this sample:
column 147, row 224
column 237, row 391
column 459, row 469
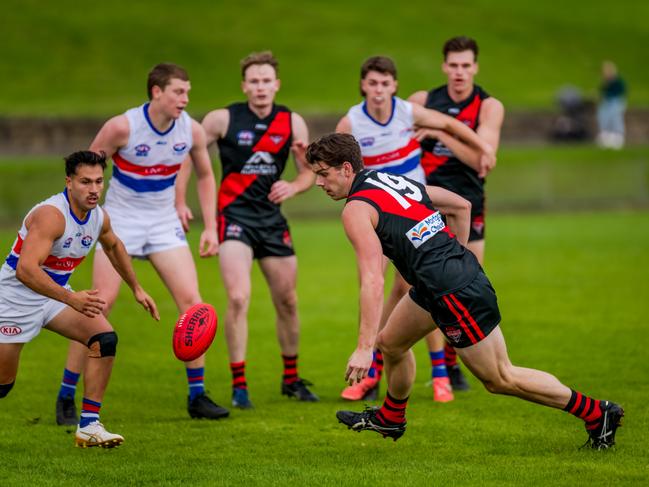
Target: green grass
column 73, row 58
column 536, row 178
column 573, row 294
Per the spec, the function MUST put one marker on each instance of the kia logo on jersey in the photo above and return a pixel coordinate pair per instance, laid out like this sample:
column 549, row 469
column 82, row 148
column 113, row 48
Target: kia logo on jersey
column 142, row 150
column 10, row 330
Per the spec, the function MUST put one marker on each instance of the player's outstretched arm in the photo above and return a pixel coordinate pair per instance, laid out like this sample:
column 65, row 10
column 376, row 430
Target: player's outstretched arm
column 206, row 186
column 433, row 119
column 112, row 136
column 282, row 190
column 44, row 226
column 359, row 220
column 456, row 209
column 120, row 260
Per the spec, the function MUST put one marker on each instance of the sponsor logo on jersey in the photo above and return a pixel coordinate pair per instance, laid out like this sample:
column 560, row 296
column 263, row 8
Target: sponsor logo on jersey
column 86, row 241
column 453, row 111
column 180, row 147
column 261, row 126
column 10, row 330
column 441, row 150
column 262, row 163
column 367, row 141
column 233, row 230
column 68, row 242
column 161, row 142
column 180, row 234
column 245, row 137
column 276, row 139
column 142, row 150
column 425, row 229
column 454, row 334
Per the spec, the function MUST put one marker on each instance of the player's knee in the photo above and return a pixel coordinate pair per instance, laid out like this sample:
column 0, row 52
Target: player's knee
column 5, row 388
column 388, row 348
column 103, row 345
column 502, row 383
column 287, row 303
column 238, row 302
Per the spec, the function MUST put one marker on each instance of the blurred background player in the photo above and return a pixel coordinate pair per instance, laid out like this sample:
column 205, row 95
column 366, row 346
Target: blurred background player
column 148, row 144
column 55, row 237
column 384, row 214
column 456, row 166
column 383, row 124
column 254, row 140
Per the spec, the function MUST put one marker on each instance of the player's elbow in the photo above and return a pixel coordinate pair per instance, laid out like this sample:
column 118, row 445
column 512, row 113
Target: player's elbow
column 23, row 272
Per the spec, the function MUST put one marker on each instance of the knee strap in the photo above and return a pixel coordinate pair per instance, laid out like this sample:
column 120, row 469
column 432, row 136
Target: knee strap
column 5, row 388
column 103, row 345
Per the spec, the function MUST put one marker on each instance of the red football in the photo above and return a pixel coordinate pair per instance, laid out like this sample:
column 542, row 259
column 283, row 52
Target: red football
column 194, row 332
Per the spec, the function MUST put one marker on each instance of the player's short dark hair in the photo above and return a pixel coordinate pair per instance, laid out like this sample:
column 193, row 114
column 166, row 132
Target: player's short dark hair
column 162, row 74
column 334, row 150
column 459, row 44
column 380, row 64
column 258, row 58
column 87, row 157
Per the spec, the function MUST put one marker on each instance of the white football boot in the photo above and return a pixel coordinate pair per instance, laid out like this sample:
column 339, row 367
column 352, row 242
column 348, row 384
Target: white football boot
column 96, row 435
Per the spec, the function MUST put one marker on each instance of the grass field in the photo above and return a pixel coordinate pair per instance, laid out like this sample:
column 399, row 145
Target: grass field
column 75, row 58
column 573, row 293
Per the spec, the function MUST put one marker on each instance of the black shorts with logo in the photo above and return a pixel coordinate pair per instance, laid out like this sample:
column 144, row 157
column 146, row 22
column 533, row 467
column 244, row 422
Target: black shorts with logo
column 466, row 316
column 265, row 241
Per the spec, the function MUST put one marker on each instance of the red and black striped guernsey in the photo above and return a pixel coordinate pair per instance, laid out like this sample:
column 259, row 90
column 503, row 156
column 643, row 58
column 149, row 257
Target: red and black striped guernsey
column 413, row 233
column 253, row 154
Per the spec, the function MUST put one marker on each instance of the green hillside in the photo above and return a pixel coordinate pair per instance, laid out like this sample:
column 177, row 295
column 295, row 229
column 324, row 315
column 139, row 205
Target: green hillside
column 71, row 57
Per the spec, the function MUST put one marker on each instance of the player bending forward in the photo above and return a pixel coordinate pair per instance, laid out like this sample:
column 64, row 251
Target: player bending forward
column 55, row 237
column 395, row 216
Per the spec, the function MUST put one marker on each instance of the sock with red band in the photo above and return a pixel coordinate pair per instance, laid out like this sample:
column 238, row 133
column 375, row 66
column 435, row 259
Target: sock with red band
column 239, row 375
column 584, row 407
column 89, row 412
column 195, row 381
column 290, row 369
column 393, row 410
column 437, row 364
column 376, row 369
column 450, row 355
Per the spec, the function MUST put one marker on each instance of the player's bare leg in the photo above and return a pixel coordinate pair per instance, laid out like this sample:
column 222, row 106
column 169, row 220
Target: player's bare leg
column 235, row 261
column 489, row 362
column 368, row 388
column 281, row 276
column 177, row 270
column 407, row 324
column 106, row 279
column 9, row 358
column 98, row 334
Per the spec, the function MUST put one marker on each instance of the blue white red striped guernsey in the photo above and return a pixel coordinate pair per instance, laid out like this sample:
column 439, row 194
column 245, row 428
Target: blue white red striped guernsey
column 67, row 252
column 145, row 169
column 388, row 147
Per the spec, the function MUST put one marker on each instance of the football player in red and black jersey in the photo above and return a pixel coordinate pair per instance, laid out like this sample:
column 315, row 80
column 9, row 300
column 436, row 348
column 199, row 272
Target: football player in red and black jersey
column 452, row 164
column 391, row 215
column 255, row 139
